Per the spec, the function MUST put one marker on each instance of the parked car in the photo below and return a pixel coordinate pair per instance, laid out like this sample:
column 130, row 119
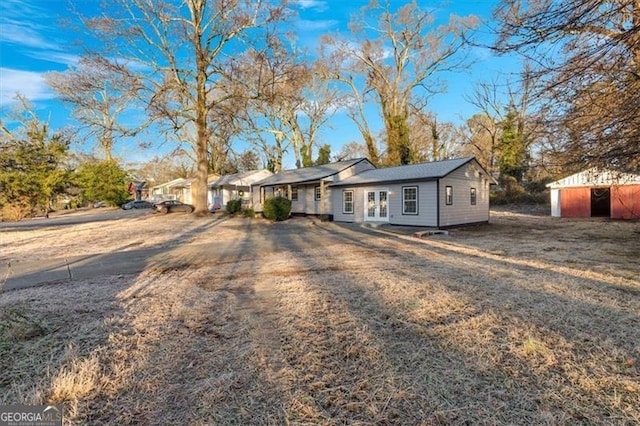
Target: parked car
column 170, row 206
column 99, row 204
column 137, row 204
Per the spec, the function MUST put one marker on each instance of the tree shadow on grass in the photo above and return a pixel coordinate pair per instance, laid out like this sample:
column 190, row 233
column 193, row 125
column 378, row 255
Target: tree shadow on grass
column 78, row 319
column 313, row 324
column 508, row 352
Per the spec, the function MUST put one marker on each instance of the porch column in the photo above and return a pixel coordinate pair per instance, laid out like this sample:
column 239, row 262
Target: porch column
column 261, row 195
column 289, row 191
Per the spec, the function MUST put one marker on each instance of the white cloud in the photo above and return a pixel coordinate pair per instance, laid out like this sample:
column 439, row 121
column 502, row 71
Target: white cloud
column 24, row 34
column 319, row 5
column 55, row 56
column 27, row 83
column 22, row 8
column 313, row 25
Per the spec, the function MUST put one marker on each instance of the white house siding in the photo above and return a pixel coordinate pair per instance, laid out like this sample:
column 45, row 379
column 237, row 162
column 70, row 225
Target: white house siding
column 555, row 202
column 426, row 203
column 301, row 205
column 307, row 204
column 358, row 206
column 186, row 195
column 427, row 207
column 461, row 211
column 232, row 193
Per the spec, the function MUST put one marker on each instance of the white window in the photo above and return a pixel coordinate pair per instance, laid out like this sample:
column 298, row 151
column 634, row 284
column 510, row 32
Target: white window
column 473, row 196
column 448, row 196
column 409, row 200
column 294, row 193
column 317, row 193
column 347, row 202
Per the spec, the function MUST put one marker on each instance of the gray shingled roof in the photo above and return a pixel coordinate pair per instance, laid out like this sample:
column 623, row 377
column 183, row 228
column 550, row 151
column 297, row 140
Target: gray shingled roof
column 412, row 172
column 235, row 179
column 308, row 174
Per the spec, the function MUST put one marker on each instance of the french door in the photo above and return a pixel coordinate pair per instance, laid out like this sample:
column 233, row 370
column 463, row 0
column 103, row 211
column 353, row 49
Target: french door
column 376, row 205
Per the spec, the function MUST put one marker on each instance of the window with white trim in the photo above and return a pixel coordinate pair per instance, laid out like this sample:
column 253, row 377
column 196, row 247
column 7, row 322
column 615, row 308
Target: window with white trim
column 294, row 193
column 347, row 202
column 473, row 197
column 318, row 194
column 409, row 200
column 448, row 195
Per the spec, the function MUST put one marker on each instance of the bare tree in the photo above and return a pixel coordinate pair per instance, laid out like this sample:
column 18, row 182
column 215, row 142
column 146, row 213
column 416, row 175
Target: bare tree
column 321, row 101
column 226, row 125
column 351, row 151
column 339, row 66
column 396, row 58
column 247, row 160
column 431, row 140
column 287, row 98
column 507, row 126
column 588, row 52
column 181, row 49
column 480, row 136
column 101, row 92
column 162, row 169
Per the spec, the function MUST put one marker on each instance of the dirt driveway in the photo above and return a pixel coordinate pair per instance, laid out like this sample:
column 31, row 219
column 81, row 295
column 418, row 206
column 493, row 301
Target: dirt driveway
column 528, row 320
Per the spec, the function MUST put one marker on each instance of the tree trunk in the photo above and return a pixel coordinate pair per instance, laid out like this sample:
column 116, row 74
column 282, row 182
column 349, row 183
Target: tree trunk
column 372, row 149
column 199, row 186
column 398, row 143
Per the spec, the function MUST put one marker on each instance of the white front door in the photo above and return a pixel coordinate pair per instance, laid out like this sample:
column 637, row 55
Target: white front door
column 376, row 205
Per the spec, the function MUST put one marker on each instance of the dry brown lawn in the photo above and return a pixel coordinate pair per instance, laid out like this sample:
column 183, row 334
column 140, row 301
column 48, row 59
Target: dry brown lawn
column 526, row 320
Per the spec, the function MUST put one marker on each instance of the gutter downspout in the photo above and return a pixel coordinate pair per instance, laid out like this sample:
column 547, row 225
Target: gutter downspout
column 438, row 204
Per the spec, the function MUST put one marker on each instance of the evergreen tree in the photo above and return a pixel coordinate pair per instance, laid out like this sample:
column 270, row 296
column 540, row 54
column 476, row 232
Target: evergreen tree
column 512, row 147
column 102, row 180
column 31, row 166
column 324, row 155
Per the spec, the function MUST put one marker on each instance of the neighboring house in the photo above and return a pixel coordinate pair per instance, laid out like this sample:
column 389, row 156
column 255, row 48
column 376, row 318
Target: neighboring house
column 438, row 194
column 596, row 193
column 308, row 187
column 234, row 187
column 176, row 189
column 138, row 188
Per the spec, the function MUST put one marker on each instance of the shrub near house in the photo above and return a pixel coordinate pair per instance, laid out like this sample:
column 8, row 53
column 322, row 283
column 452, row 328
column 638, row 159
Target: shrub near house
column 234, row 206
column 277, row 208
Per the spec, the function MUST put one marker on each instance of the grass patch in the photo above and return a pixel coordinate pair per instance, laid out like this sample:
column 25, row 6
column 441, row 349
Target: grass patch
column 292, row 323
column 19, row 324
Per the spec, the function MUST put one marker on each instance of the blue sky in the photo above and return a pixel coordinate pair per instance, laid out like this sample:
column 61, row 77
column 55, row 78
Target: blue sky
column 33, row 42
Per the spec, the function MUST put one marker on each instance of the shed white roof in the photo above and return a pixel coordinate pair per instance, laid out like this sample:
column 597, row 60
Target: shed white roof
column 596, row 177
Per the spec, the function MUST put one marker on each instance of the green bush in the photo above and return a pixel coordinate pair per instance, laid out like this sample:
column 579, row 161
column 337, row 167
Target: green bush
column 277, row 208
column 234, row 206
column 249, row 213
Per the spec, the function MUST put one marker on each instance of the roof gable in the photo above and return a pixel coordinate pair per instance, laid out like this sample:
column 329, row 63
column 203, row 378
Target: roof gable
column 411, row 172
column 241, row 179
column 309, row 174
column 595, row 177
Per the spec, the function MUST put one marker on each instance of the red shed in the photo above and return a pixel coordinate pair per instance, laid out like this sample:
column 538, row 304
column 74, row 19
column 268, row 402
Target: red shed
column 596, row 193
